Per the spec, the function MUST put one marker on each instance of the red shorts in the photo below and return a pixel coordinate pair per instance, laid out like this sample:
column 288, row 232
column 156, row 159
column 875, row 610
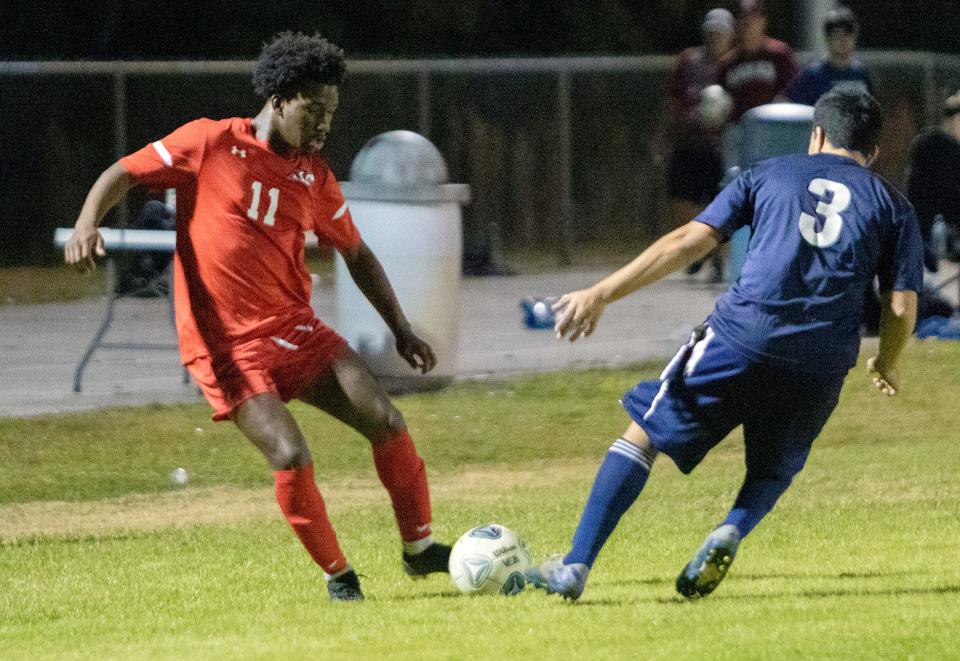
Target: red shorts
column 285, row 364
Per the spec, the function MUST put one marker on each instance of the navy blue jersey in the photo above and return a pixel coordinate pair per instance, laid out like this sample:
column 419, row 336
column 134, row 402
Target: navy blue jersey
column 822, row 227
column 818, row 78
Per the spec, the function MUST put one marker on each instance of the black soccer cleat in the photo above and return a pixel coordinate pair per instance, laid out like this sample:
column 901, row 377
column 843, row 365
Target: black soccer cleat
column 433, row 559
column 709, row 566
column 345, row 587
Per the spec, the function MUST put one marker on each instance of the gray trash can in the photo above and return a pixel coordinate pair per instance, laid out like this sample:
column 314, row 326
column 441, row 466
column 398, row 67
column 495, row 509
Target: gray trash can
column 410, row 216
column 775, row 129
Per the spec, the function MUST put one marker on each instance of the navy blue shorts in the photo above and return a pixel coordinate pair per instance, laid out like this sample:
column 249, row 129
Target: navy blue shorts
column 708, row 389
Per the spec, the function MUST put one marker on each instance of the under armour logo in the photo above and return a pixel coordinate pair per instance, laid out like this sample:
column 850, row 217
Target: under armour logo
column 237, row 151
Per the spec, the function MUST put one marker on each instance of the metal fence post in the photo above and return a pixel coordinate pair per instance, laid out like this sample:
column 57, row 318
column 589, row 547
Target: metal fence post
column 120, row 132
column 565, row 221
column 423, row 98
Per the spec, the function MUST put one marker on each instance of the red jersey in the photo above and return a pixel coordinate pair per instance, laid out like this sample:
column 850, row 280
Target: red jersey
column 242, row 210
column 753, row 79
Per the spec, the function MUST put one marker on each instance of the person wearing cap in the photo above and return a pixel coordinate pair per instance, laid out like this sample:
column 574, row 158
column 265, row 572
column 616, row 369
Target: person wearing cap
column 759, row 68
column 696, row 165
column 933, row 180
column 841, row 29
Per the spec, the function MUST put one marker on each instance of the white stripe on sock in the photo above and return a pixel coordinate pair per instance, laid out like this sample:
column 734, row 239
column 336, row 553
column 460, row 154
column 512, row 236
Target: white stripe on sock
column 632, row 452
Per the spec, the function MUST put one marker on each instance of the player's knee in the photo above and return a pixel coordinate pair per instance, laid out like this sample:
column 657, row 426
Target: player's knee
column 288, row 454
column 386, row 422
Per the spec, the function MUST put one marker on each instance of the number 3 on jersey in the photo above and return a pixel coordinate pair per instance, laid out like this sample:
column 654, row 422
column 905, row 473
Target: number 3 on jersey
column 253, row 213
column 830, row 211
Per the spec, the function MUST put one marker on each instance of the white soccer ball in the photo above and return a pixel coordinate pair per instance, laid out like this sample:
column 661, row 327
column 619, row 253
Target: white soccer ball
column 715, row 107
column 179, row 476
column 489, row 559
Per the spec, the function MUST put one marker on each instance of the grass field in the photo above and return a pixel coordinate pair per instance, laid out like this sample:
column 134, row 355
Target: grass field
column 102, row 557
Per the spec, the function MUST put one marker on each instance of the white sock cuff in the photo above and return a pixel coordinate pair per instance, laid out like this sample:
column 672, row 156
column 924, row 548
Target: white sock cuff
column 634, row 452
column 418, row 546
column 340, row 573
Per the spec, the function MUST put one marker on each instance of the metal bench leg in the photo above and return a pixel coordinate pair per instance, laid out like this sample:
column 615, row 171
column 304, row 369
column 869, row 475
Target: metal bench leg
column 104, row 325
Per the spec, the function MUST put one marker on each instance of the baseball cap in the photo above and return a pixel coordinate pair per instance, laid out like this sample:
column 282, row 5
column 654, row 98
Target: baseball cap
column 751, row 8
column 718, row 20
column 840, row 18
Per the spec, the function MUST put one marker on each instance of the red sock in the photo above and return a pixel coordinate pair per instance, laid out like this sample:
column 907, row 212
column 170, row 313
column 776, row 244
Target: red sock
column 403, row 473
column 302, row 504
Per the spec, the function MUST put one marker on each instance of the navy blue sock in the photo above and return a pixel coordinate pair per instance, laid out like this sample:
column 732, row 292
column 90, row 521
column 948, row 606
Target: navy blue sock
column 619, row 481
column 756, row 498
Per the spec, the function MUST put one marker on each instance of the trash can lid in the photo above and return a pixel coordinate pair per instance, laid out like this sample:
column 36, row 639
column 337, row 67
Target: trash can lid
column 780, row 112
column 402, row 166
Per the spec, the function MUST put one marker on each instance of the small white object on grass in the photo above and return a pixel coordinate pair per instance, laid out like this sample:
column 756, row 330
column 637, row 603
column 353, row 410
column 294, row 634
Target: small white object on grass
column 179, row 476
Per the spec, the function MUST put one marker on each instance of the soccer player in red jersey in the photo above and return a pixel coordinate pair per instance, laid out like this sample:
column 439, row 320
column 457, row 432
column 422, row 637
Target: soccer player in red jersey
column 759, row 68
column 247, row 190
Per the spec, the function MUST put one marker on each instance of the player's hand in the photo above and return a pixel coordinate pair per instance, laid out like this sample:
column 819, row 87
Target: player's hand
column 415, row 351
column 578, row 313
column 887, row 381
column 82, row 248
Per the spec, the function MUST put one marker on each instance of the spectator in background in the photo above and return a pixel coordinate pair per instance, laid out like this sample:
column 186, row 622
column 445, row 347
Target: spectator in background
column 759, row 68
column 840, row 66
column 696, row 162
column 933, row 181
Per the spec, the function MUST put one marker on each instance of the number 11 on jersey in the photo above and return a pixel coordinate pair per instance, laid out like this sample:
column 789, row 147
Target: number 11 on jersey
column 253, row 213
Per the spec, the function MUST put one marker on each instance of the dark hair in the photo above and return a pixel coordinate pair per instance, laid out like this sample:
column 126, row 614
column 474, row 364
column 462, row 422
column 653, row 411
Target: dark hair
column 840, row 18
column 294, row 60
column 850, row 118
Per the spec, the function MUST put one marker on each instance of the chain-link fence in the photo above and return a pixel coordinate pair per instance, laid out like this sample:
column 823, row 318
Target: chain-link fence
column 561, row 153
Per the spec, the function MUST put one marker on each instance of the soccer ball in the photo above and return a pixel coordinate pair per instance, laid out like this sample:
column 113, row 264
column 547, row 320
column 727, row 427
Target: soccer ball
column 715, row 106
column 489, row 559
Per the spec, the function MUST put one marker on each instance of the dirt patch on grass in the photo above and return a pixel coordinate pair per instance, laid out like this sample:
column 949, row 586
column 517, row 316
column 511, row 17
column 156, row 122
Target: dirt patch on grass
column 21, row 522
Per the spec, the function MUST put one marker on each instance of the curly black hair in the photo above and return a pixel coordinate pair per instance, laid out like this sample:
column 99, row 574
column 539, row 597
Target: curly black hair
column 294, row 60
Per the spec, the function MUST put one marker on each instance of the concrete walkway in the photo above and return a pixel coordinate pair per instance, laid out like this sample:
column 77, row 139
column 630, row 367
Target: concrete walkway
column 40, row 345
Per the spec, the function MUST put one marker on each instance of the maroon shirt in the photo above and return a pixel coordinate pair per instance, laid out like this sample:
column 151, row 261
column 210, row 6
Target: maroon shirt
column 753, row 79
column 691, row 73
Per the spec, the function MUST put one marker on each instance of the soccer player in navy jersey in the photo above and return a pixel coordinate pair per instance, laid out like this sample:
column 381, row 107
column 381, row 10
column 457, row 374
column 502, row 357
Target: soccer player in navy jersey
column 773, row 354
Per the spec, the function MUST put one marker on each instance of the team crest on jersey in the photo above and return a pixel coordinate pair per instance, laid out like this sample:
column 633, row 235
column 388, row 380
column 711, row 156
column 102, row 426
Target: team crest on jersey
column 305, row 177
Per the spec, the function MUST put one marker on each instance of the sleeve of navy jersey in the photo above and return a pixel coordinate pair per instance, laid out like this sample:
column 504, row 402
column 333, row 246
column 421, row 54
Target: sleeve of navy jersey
column 901, row 266
column 732, row 208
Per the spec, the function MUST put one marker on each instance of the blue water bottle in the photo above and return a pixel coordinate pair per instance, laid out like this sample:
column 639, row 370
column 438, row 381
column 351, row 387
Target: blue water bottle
column 538, row 312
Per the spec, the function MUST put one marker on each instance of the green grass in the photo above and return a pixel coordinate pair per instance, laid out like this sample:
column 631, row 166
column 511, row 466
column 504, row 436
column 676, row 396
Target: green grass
column 37, row 284
column 858, row 561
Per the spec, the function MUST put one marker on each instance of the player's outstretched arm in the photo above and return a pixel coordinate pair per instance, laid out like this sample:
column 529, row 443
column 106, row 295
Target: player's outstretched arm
column 897, row 319
column 86, row 242
column 579, row 311
column 371, row 279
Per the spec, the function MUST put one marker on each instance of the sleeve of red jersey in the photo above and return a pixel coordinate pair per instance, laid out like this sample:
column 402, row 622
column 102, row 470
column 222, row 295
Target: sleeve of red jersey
column 168, row 161
column 333, row 223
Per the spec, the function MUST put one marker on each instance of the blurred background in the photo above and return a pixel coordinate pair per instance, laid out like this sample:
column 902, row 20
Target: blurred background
column 553, row 112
